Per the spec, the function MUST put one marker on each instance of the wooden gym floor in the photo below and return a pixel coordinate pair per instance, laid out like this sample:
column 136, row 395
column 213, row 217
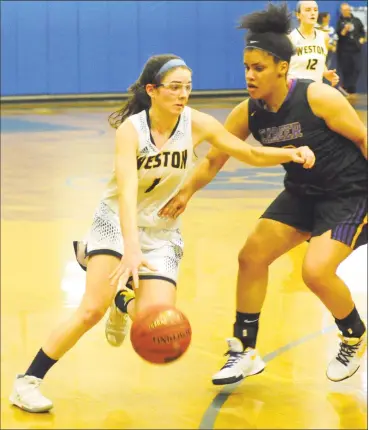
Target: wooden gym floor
column 54, row 164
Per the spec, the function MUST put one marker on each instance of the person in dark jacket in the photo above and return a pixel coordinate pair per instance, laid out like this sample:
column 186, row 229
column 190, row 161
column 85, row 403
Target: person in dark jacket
column 351, row 37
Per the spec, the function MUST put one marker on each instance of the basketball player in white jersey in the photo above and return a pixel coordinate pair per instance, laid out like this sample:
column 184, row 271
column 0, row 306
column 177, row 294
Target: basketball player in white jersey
column 128, row 241
column 311, row 45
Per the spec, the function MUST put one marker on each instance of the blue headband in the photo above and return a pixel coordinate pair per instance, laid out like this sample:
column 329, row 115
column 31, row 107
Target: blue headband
column 176, row 62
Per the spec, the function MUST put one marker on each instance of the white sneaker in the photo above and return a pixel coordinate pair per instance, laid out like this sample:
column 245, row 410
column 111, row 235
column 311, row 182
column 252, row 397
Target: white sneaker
column 117, row 324
column 240, row 364
column 347, row 361
column 27, row 395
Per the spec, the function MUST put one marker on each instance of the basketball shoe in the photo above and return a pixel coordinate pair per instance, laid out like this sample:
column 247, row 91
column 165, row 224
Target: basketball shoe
column 117, row 324
column 347, row 361
column 240, row 364
column 26, row 394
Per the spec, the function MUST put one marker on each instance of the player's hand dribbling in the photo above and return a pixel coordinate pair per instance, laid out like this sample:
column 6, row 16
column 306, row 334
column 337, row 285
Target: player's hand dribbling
column 303, row 155
column 129, row 265
column 175, row 206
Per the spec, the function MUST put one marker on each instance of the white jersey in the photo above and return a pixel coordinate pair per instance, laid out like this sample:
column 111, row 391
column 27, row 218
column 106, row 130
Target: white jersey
column 310, row 57
column 161, row 173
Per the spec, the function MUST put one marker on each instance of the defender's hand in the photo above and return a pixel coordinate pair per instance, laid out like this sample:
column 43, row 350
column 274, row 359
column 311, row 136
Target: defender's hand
column 303, row 155
column 175, row 206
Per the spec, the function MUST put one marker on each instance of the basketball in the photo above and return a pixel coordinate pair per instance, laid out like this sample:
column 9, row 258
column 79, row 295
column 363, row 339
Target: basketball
column 161, row 334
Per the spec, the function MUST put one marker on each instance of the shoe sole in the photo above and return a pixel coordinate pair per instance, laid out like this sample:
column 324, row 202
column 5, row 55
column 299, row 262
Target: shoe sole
column 233, row 380
column 346, row 377
column 14, row 402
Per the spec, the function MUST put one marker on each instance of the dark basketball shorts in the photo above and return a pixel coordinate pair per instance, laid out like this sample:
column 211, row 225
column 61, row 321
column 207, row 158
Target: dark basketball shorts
column 345, row 216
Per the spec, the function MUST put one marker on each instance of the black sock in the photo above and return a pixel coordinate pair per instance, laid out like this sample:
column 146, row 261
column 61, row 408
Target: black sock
column 246, row 328
column 352, row 325
column 40, row 365
column 120, row 302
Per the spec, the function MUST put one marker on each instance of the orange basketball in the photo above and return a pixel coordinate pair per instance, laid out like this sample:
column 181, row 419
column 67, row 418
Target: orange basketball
column 161, row 334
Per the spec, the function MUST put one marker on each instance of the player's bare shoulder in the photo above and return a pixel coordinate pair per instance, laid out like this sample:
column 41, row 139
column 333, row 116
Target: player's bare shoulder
column 319, row 91
column 126, row 128
column 201, row 125
column 126, row 132
column 322, row 97
column 237, row 121
column 240, row 111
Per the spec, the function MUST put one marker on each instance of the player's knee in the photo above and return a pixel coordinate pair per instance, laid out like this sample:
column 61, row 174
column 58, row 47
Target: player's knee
column 244, row 260
column 315, row 274
column 253, row 254
column 91, row 315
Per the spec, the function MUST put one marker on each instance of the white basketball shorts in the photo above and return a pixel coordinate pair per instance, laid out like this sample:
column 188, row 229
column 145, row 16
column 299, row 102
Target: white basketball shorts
column 163, row 249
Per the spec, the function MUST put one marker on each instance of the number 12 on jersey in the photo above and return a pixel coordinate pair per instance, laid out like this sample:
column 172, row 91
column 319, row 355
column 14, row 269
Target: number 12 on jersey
column 153, row 185
column 311, row 64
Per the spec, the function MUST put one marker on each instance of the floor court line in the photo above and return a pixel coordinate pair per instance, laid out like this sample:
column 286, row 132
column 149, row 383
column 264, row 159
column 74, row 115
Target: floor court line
column 211, row 413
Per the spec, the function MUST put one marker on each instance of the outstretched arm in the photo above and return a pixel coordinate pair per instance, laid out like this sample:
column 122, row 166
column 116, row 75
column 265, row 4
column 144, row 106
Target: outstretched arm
column 219, row 137
column 236, row 130
column 208, row 167
column 237, row 124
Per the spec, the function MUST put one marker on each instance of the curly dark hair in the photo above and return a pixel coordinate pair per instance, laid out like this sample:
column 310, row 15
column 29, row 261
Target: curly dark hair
column 274, row 19
column 274, row 23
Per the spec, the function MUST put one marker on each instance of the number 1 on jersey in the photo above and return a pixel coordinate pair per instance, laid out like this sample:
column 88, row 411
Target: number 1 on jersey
column 153, row 185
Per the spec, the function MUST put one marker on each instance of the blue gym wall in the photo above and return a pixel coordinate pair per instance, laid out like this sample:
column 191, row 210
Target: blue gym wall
column 79, row 47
